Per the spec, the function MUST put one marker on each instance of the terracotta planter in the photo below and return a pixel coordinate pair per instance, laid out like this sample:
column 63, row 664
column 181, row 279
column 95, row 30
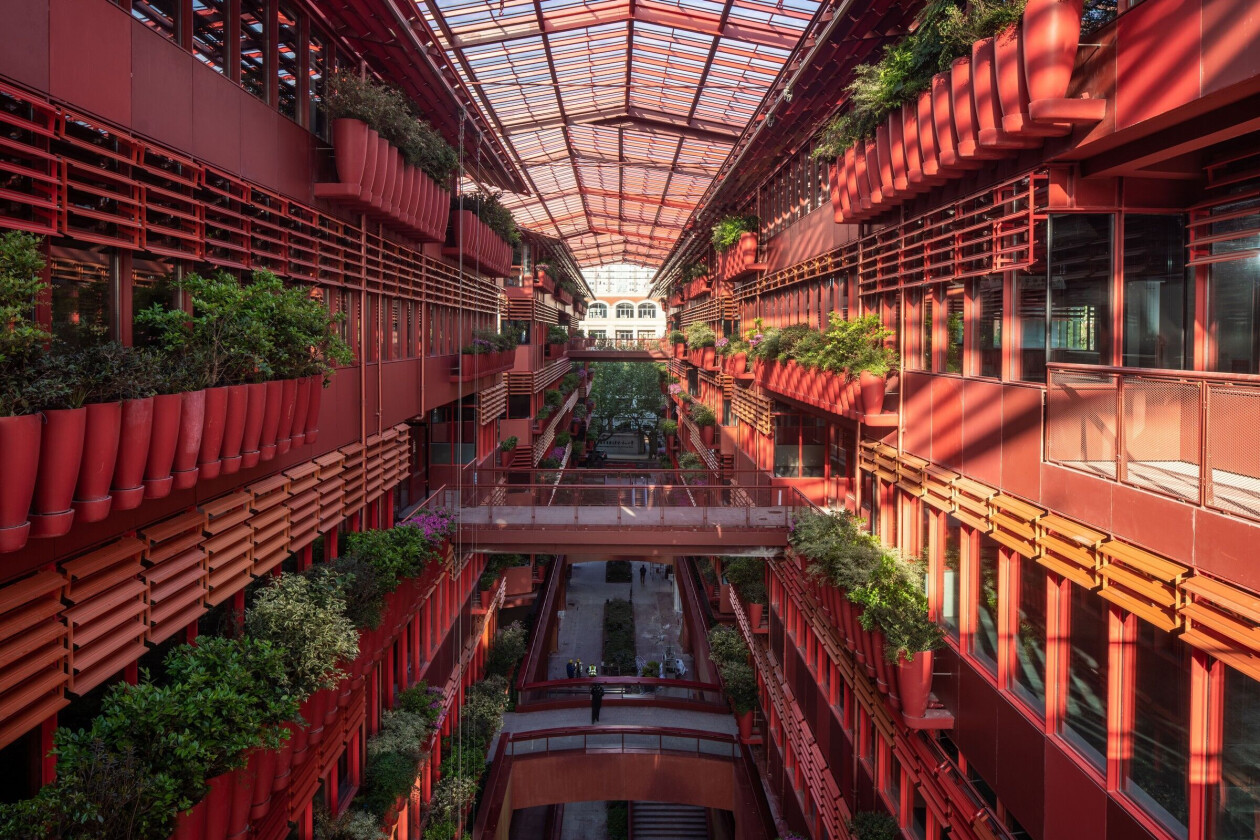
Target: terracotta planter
column 850, row 184
column 407, row 201
column 839, row 208
column 739, row 364
column 136, row 428
column 831, row 388
column 745, row 723
column 273, row 408
column 874, row 182
column 680, row 351
column 707, row 435
column 873, row 388
column 964, row 111
column 708, row 358
column 218, row 813
column 1012, row 88
column 883, row 675
column 928, row 147
column 312, row 411
column 19, row 452
column 755, row 614
column 262, row 771
column 897, row 149
column 943, row 120
column 883, row 151
column 192, row 417
column 60, row 454
column 191, row 824
column 300, row 411
column 914, row 683
column 255, row 412
column 288, row 411
column 212, row 431
column 486, row 597
column 234, row 428
column 505, row 458
column 157, row 470
column 96, row 468
column 861, row 183
column 1052, row 31
column 984, row 94
column 350, row 150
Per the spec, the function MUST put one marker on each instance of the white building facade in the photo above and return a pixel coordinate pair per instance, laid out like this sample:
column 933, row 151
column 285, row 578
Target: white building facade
column 621, row 308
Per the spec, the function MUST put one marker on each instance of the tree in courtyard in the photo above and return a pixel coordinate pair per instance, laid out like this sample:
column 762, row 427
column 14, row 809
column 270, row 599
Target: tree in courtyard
column 627, row 399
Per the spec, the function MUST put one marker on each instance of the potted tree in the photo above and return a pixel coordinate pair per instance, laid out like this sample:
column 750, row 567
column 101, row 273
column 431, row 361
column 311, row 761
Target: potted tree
column 730, row 654
column 705, row 419
column 872, row 360
column 679, row 339
column 748, row 577
column 507, row 450
column 702, row 340
column 557, row 336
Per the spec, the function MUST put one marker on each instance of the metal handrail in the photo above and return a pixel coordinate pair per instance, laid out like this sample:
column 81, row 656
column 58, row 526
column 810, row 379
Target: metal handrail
column 1160, row 373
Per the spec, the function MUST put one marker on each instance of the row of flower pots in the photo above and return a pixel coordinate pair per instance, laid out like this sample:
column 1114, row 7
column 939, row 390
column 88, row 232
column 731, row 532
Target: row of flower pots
column 907, row 683
column 240, row 800
column 478, row 245
column 703, row 357
column 476, row 365
column 863, row 394
column 79, row 464
column 373, row 177
column 1009, row 94
column 737, row 260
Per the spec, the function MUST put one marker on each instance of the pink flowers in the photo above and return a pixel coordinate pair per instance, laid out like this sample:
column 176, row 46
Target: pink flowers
column 436, row 524
column 756, row 339
column 675, row 389
column 721, row 342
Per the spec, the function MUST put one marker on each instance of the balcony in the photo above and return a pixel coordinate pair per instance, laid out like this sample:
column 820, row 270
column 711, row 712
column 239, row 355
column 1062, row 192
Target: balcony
column 1188, row 435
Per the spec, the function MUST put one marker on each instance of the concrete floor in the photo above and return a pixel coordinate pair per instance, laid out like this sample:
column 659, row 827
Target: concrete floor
column 584, row 821
column 657, row 619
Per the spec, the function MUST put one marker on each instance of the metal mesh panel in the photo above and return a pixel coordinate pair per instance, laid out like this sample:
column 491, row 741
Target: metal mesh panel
column 1081, row 422
column 1233, row 449
column 1162, row 435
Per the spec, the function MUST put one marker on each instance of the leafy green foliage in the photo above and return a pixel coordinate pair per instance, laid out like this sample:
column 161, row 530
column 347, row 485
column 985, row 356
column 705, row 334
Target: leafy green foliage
column 677, row 337
column 388, row 112
column 553, row 397
column 507, row 650
column 496, row 563
column 509, row 443
column 727, row 231
column 730, row 653
column 874, row 825
column 700, row 335
column 694, row 272
column 837, row 547
column 306, row 620
column 702, row 415
column 618, row 571
column 627, row 399
column 21, row 337
column 557, row 334
column 857, row 345
column 395, row 553
column 487, row 207
column 361, row 589
column 669, row 427
column 943, row 32
column 893, row 602
column 350, row 825
column 619, row 643
column 618, row 820
column 748, row 576
column 389, row 775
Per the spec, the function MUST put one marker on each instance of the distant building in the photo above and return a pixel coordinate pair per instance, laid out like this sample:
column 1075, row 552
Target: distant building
column 621, row 308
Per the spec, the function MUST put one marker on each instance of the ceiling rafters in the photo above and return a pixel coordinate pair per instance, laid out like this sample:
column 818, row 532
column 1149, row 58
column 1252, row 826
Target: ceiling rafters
column 619, row 112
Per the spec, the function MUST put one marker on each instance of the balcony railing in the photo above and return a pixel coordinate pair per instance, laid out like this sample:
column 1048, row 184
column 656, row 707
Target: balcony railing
column 641, row 690
column 1189, row 435
column 658, row 346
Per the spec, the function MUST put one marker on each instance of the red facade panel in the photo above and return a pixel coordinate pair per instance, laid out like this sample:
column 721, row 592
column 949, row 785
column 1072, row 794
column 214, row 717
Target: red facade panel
column 916, row 402
column 1021, row 440
column 1225, row 547
column 160, row 81
column 1077, row 495
column 89, row 48
column 947, row 416
column 1161, row 524
column 982, row 430
column 24, row 42
column 216, row 123
column 1080, row 811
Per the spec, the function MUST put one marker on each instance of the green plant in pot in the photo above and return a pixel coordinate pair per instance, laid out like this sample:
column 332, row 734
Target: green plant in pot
column 557, row 334
column 729, row 229
column 490, row 209
column 507, row 448
column 677, row 338
column 874, row 825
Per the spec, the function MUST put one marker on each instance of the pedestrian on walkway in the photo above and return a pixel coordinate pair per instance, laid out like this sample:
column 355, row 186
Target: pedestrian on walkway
column 570, row 669
column 577, row 669
column 642, row 573
column 597, row 698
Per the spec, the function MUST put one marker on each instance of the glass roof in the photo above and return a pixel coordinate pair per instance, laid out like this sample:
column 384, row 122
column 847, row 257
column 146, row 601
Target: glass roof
column 620, row 112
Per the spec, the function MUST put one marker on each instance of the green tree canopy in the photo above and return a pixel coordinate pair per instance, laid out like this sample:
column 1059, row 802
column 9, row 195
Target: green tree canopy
column 627, row 398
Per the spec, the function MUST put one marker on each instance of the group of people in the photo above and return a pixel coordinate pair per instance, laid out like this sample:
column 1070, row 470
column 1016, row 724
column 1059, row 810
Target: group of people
column 574, row 670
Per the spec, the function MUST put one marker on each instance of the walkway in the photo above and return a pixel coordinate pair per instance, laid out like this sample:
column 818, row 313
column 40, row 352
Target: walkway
column 657, row 620
column 715, row 722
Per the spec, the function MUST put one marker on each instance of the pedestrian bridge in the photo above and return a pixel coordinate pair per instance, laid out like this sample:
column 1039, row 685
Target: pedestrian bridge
column 649, row 513
column 619, row 350
column 636, row 754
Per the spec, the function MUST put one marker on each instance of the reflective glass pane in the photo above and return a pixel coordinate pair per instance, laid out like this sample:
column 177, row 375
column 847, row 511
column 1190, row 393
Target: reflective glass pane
column 1157, row 299
column 1085, row 714
column 162, row 16
column 253, row 35
column 988, row 298
column 1080, row 288
column 287, row 62
column 1158, row 772
column 985, row 638
column 1030, row 635
column 1237, row 815
column 209, row 24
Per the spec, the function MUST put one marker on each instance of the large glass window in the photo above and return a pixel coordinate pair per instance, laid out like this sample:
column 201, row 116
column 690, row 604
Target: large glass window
column 287, row 62
column 954, row 328
column 1237, row 813
column 1085, row 713
column 597, row 310
column 1158, row 769
column 1030, row 314
column 209, row 32
column 1030, row 635
column 317, row 64
column 453, row 433
column 984, row 641
column 1080, row 288
column 253, row 35
column 926, row 319
column 152, row 283
column 625, row 310
column 647, row 310
column 988, row 306
column 951, row 575
column 1234, row 312
column 800, row 443
column 1157, row 299
column 162, row 16
column 82, row 290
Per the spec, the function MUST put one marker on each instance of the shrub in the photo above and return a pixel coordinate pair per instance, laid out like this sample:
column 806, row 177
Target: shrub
column 395, row 553
column 305, row 620
column 747, row 575
column 349, row 825
column 727, row 231
column 389, row 775
column 874, row 825
column 553, row 397
column 700, row 335
column 669, row 427
column 401, row 732
column 726, row 645
column 703, row 415
column 838, row 549
column 893, row 602
column 557, row 334
column 451, row 796
column 563, row 438
column 618, row 571
column 618, row 820
column 508, row 443
column 487, row 207
column 619, row 642
column 507, row 650
column 677, row 337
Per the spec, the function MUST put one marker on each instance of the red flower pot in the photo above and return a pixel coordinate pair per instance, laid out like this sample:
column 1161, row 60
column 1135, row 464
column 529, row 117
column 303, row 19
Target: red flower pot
column 679, row 350
column 839, row 208
column 192, row 418
column 897, row 149
column 288, row 411
column 406, row 217
column 754, row 615
column 191, row 824
column 234, row 428
column 873, row 388
column 133, row 451
column 300, row 411
column 707, row 435
column 943, row 119
column 707, row 357
column 212, row 429
column 255, row 413
column 60, row 454
column 271, row 419
column 19, row 452
column 861, row 183
column 914, row 683
column 878, row 199
column 157, row 470
column 745, row 723
column 262, row 772
column 964, row 111
column 927, row 137
column 984, row 94
column 312, row 411
column 883, row 152
column 1052, row 31
column 883, row 677
column 96, row 469
column 350, row 145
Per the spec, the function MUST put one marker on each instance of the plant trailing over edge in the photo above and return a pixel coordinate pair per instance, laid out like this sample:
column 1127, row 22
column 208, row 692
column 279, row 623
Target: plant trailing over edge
column 727, row 231
column 508, row 444
column 307, row 621
column 695, row 271
column 702, row 415
column 748, row 576
column 874, row 825
column 669, row 427
column 22, row 338
column 677, row 337
column 893, row 602
column 730, row 653
column 700, row 335
column 487, row 207
column 557, row 334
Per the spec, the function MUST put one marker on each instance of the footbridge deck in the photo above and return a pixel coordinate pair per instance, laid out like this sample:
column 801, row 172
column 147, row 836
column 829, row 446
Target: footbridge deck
column 618, row 350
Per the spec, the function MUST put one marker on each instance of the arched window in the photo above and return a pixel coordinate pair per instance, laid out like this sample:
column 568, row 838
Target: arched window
column 625, row 310
column 647, row 310
column 597, row 310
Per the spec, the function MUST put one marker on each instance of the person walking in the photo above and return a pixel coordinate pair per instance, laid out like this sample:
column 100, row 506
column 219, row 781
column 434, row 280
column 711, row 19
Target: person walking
column 642, row 573
column 571, row 669
column 577, row 669
column 597, row 698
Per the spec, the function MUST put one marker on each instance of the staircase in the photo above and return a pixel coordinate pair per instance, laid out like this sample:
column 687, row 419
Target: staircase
column 666, row 821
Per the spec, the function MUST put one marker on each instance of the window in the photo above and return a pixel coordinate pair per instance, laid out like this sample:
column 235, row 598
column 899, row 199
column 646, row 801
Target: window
column 926, row 321
column 647, row 333
column 1158, row 772
column 626, row 335
column 287, row 63
column 625, row 310
column 647, row 310
column 317, row 63
column 954, row 328
column 253, row 34
column 1080, row 288
column 453, row 433
column 151, row 283
column 162, row 16
column 799, row 446
column 984, row 641
column 1237, row 807
column 1030, row 315
column 597, row 310
column 951, row 575
column 82, row 291
column 1234, row 315
column 209, row 33
column 1084, row 720
column 1030, row 634
column 597, row 333
column 1157, row 298
column 988, row 318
